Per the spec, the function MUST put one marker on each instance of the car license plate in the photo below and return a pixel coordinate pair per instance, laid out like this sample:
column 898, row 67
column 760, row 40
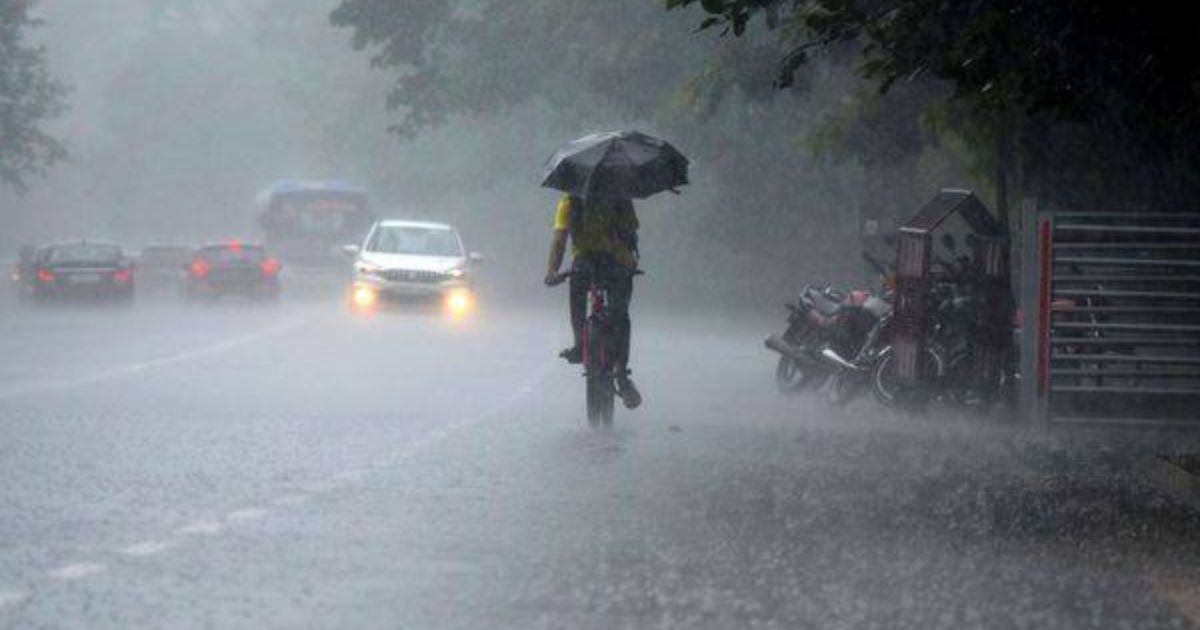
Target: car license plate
column 85, row 278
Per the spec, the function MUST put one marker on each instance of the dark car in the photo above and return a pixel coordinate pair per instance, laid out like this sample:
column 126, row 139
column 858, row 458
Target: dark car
column 162, row 268
column 81, row 269
column 21, row 272
column 232, row 269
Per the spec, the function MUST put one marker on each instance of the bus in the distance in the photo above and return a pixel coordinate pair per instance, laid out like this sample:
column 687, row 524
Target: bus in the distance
column 307, row 222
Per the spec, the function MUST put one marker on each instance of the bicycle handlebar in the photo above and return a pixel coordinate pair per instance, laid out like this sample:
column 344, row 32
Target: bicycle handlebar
column 568, row 274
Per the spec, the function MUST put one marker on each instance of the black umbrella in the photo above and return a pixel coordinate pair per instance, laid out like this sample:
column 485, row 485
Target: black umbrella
column 616, row 164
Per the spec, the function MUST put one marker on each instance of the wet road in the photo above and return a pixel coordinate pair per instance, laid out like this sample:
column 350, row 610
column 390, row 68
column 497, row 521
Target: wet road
column 293, row 466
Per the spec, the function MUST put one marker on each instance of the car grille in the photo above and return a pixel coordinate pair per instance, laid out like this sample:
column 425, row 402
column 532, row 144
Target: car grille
column 402, row 275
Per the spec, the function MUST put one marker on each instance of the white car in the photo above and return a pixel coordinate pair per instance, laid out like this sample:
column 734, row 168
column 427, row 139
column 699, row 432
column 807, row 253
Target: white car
column 413, row 262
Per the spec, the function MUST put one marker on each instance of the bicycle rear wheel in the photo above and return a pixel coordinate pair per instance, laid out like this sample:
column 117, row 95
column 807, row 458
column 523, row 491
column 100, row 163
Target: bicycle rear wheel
column 600, row 395
column 600, row 387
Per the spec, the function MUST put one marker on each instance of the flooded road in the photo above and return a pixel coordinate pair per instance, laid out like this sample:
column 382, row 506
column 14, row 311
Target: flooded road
column 294, row 466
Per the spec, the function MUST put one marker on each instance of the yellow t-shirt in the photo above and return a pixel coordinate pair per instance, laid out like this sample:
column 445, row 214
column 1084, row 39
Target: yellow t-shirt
column 602, row 230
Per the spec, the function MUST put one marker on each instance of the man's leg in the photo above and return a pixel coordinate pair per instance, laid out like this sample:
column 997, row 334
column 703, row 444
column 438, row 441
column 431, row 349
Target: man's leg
column 577, row 304
column 620, row 294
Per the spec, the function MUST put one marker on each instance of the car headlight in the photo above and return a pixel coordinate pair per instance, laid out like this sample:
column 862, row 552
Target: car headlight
column 363, row 297
column 456, row 273
column 459, row 302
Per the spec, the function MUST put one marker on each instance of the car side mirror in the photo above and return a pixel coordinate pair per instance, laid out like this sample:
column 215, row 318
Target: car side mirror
column 475, row 258
column 351, row 250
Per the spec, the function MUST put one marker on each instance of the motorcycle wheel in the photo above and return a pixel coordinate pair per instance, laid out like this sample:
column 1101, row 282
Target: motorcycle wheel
column 886, row 385
column 845, row 388
column 791, row 377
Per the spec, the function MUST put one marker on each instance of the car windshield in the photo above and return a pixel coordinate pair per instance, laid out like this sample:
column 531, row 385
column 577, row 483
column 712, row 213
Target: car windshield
column 83, row 253
column 422, row 241
column 233, row 253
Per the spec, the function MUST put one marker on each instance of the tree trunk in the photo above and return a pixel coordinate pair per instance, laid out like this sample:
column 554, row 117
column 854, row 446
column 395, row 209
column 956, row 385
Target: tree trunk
column 1004, row 159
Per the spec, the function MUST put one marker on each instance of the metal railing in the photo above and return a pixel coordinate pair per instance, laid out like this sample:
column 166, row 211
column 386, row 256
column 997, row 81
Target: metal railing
column 1112, row 325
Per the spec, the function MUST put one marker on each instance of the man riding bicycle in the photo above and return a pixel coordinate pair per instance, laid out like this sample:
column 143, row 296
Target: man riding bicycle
column 603, row 234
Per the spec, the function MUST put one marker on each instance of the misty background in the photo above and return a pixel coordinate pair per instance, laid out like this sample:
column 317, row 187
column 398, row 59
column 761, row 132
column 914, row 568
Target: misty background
column 181, row 110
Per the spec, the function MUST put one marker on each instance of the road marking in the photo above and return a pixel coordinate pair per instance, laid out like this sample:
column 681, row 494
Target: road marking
column 202, row 528
column 148, row 548
column 76, row 571
column 210, row 527
column 12, row 598
column 433, row 438
column 152, row 364
column 247, row 514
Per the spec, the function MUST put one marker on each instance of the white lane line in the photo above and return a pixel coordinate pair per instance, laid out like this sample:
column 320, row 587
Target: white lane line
column 12, row 598
column 210, row 527
column 245, row 515
column 148, row 548
column 152, row 364
column 201, row 528
column 444, row 433
column 77, row 570
column 291, row 500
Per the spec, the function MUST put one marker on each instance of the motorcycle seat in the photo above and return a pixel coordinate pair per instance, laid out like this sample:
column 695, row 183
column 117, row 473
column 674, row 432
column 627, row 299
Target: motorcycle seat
column 824, row 305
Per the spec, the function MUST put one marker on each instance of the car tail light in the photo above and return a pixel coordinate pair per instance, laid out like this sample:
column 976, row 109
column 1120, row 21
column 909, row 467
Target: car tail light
column 122, row 275
column 198, row 268
column 235, row 246
column 45, row 276
column 269, row 267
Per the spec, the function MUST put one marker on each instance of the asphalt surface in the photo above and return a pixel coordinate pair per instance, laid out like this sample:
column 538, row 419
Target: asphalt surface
column 249, row 466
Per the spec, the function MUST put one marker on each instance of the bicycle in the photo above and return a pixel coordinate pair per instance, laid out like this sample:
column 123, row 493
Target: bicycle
column 598, row 343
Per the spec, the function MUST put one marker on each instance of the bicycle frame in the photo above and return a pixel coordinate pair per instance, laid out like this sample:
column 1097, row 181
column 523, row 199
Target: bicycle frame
column 597, row 320
column 598, row 347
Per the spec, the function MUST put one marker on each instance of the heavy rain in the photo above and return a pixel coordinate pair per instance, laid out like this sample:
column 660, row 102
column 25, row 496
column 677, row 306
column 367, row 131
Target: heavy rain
column 575, row 314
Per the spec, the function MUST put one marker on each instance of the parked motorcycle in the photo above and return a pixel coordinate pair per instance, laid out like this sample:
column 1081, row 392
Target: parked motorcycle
column 824, row 326
column 948, row 353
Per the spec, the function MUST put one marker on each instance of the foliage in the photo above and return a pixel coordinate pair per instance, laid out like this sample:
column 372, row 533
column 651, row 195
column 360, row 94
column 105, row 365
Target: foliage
column 477, row 57
column 1072, row 76
column 762, row 208
column 28, row 98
